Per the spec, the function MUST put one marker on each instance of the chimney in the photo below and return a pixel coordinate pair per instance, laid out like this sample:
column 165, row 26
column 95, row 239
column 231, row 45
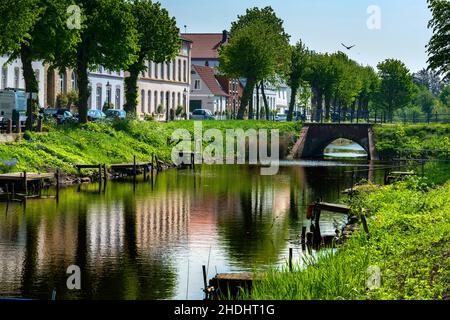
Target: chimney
column 224, row 36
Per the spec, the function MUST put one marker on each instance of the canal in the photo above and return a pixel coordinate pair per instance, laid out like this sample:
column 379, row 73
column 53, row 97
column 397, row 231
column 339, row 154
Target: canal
column 150, row 242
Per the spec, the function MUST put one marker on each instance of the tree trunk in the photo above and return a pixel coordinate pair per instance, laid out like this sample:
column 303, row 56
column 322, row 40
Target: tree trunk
column 248, row 92
column 266, row 105
column 294, row 89
column 250, row 108
column 83, row 82
column 31, row 84
column 257, row 101
column 131, row 89
column 327, row 107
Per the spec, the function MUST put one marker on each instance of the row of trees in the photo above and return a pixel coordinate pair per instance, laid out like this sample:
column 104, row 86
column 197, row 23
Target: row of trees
column 259, row 51
column 84, row 34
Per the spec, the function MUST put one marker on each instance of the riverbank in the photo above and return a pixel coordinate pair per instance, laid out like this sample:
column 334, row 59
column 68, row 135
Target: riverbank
column 409, row 224
column 63, row 147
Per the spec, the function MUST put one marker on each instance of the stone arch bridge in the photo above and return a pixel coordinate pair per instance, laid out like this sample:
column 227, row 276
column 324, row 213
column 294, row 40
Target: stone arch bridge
column 315, row 137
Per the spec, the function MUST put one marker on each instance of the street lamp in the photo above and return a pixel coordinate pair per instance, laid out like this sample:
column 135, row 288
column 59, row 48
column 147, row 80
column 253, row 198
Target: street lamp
column 108, row 91
column 184, row 102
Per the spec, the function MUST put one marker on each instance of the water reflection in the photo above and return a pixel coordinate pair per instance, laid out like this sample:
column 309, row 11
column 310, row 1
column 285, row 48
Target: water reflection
column 150, row 242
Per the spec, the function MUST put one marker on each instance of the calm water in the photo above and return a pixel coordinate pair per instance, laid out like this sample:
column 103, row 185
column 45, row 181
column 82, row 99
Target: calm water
column 150, row 243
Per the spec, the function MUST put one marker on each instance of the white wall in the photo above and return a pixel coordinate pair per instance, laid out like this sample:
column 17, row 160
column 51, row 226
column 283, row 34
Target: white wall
column 99, row 79
column 11, row 76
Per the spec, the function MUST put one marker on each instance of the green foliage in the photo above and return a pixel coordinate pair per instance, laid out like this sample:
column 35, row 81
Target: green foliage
column 410, row 243
column 397, row 87
column 111, row 142
column 418, row 137
column 157, row 38
column 258, row 50
column 439, row 58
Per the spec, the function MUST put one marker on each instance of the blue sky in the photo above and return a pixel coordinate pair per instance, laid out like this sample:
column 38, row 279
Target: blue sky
column 324, row 24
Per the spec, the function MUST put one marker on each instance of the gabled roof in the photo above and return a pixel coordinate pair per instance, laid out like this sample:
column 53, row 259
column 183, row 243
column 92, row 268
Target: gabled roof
column 205, row 45
column 209, row 78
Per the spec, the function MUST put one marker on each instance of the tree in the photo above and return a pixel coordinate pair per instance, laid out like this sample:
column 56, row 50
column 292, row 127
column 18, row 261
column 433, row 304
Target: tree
column 108, row 38
column 158, row 41
column 296, row 74
column 258, row 50
column 396, row 88
column 36, row 30
column 444, row 97
column 438, row 48
column 430, row 80
column 425, row 100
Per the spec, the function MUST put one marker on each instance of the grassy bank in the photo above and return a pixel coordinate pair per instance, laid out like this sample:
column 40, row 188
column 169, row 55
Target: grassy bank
column 97, row 143
column 410, row 243
column 416, row 136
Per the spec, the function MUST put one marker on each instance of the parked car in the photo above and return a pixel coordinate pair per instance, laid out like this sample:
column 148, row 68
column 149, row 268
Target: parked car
column 63, row 116
column 95, row 115
column 115, row 114
column 280, row 117
column 202, row 114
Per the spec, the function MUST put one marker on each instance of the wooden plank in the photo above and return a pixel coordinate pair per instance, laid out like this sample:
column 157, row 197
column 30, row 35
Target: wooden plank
column 332, row 207
column 86, row 166
column 245, row 276
column 31, row 176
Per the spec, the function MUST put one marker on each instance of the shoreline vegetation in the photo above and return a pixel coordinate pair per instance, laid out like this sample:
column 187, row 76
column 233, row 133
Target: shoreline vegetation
column 409, row 243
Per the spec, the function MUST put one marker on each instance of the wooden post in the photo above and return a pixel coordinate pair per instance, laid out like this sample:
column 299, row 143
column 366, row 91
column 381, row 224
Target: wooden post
column 134, row 170
column 25, row 183
column 105, row 177
column 100, row 173
column 18, row 128
column 205, row 283
column 309, row 239
column 364, row 222
column 303, row 237
column 145, row 172
column 290, row 259
column 57, row 184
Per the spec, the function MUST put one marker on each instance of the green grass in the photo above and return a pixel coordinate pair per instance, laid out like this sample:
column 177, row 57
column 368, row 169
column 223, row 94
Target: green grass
column 410, row 243
column 108, row 143
column 416, row 136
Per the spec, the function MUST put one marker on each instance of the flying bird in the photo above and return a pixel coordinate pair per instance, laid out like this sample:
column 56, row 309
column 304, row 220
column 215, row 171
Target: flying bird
column 347, row 47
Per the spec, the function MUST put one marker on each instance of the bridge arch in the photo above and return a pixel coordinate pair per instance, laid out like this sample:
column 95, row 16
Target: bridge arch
column 314, row 138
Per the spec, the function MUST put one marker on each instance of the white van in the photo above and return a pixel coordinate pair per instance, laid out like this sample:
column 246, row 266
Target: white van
column 10, row 100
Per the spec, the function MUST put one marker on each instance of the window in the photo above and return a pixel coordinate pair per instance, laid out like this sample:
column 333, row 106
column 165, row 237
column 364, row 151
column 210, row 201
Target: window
column 184, row 71
column 117, row 104
column 168, row 70
column 179, row 99
column 173, row 100
column 73, row 81
column 142, row 101
column 149, row 97
column 98, row 97
column 161, row 100
column 156, row 99
column 150, row 69
column 162, row 71
column 62, row 82
column 100, row 69
column 108, row 94
column 174, row 64
column 156, row 71
column 197, row 85
column 4, row 77
column 179, row 70
column 16, row 77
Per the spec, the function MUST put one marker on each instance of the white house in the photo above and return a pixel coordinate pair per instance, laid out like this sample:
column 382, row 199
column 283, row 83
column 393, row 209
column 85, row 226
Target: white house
column 283, row 98
column 106, row 86
column 166, row 84
column 206, row 91
column 12, row 76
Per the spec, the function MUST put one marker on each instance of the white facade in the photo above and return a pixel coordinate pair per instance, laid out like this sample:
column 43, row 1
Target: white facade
column 271, row 96
column 12, row 76
column 283, row 98
column 165, row 84
column 106, row 86
column 203, row 98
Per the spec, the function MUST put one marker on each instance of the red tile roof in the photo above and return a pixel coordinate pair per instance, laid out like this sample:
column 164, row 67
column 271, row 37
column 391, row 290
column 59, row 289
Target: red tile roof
column 209, row 78
column 205, row 45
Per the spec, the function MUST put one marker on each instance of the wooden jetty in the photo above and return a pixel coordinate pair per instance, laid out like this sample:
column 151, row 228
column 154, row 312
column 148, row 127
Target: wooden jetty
column 20, row 186
column 232, row 285
column 102, row 172
column 390, row 177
